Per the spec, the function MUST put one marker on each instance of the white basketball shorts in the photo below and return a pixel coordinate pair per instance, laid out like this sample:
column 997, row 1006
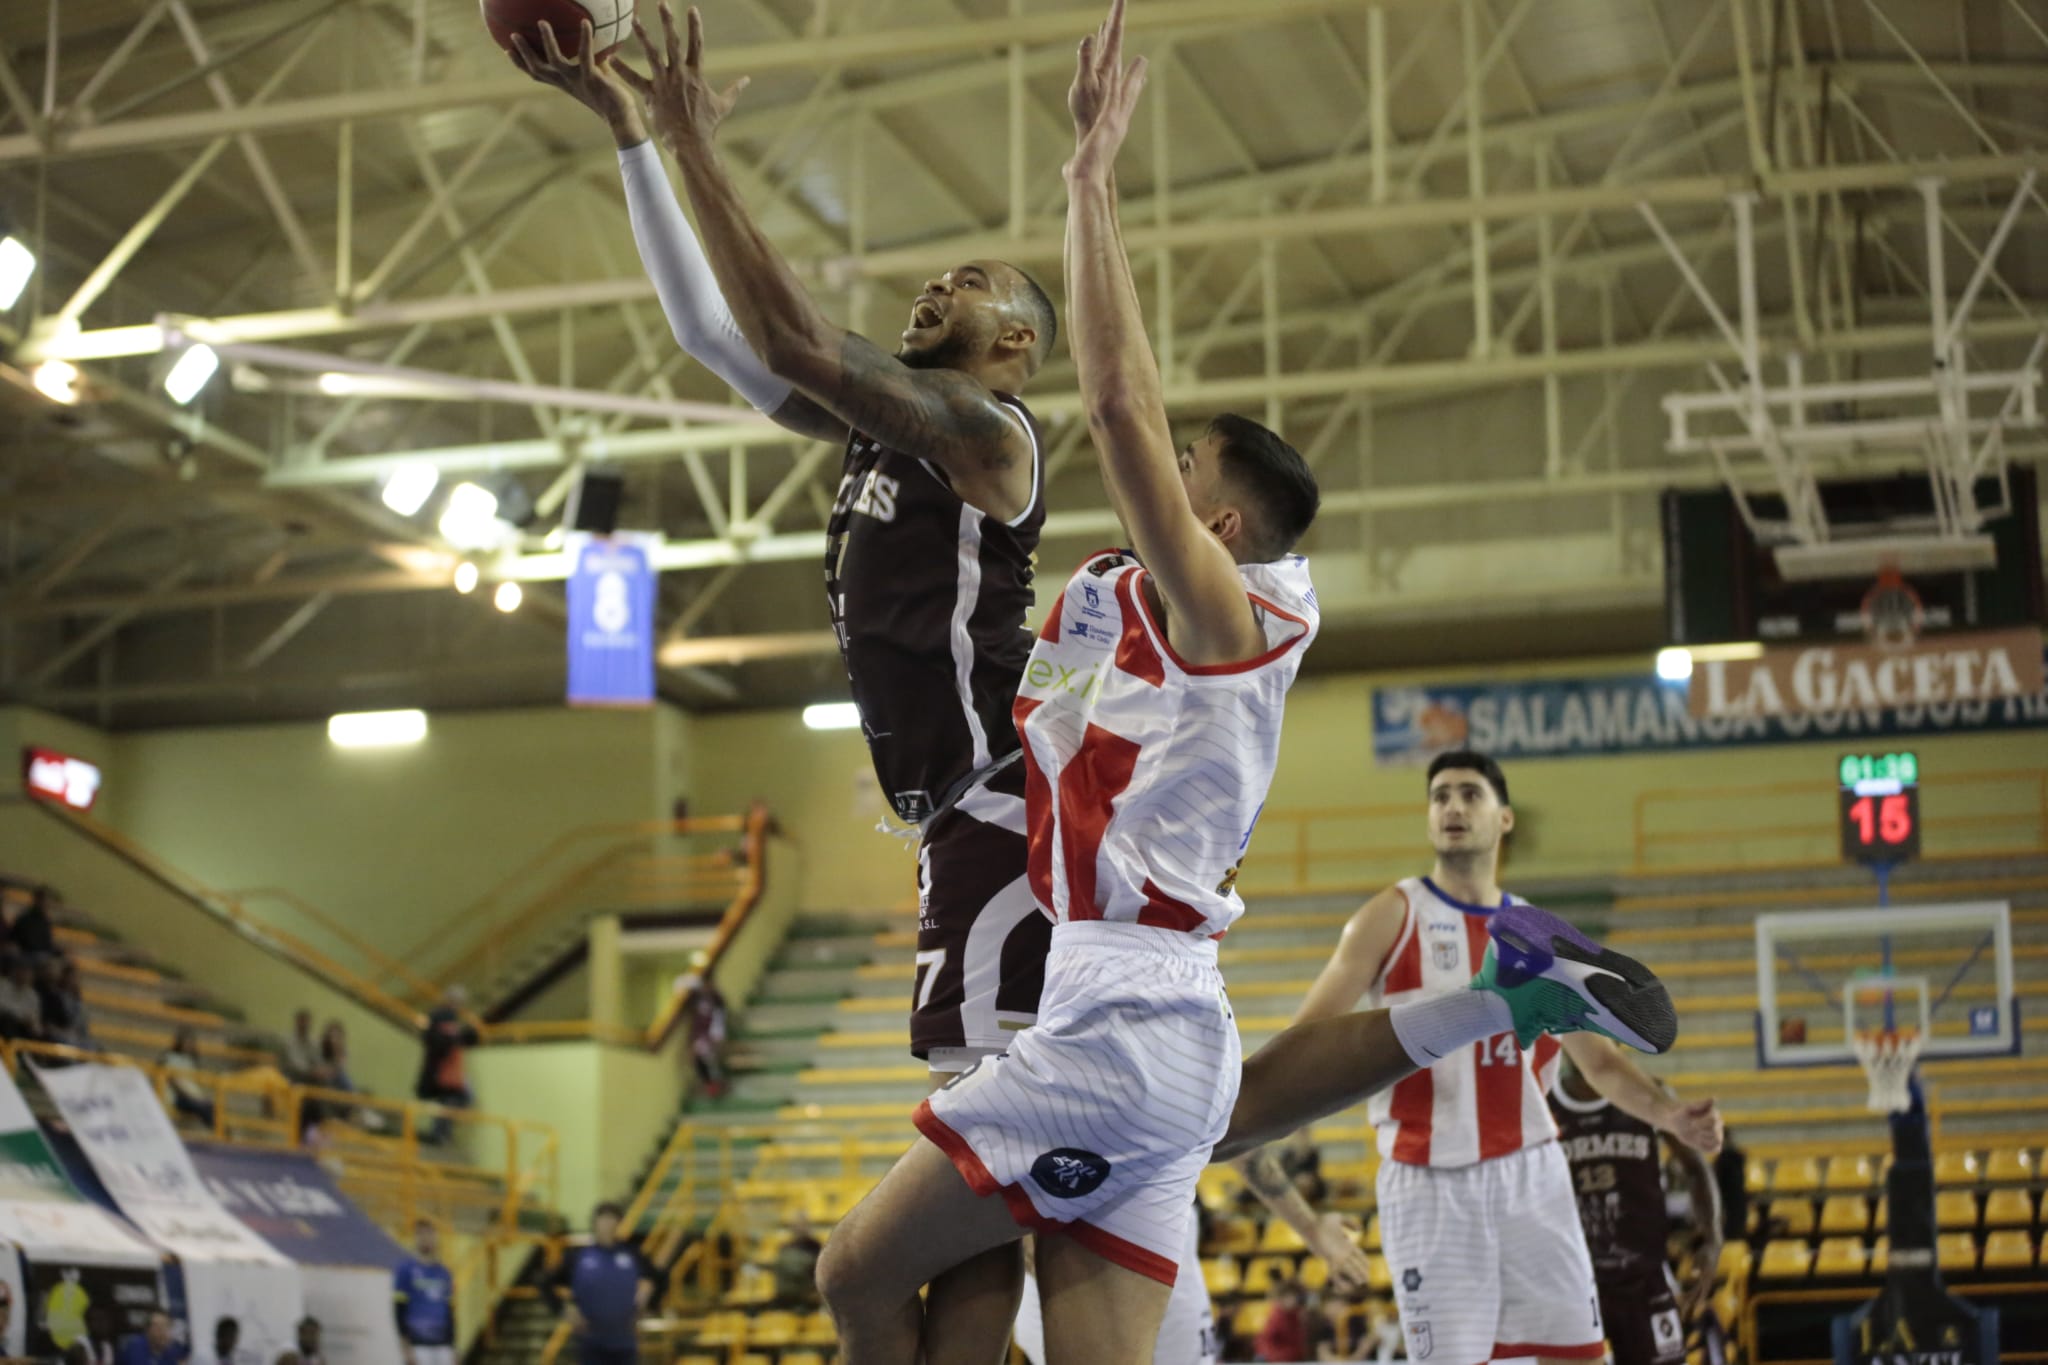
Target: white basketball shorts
column 433, row 1355
column 1488, row 1260
column 1187, row 1335
column 1096, row 1121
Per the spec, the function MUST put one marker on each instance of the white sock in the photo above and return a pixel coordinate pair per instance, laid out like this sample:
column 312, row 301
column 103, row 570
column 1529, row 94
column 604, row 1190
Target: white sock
column 1433, row 1029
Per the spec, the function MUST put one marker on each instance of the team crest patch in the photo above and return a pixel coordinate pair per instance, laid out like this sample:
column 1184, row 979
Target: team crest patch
column 1420, row 1344
column 1446, row 955
column 1069, row 1172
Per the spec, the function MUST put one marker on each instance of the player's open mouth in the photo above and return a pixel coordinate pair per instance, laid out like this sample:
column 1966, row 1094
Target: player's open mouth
column 924, row 314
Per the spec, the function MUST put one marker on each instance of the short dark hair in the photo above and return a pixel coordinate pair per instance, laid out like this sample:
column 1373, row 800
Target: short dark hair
column 607, row 1207
column 1483, row 764
column 1273, row 476
column 1038, row 310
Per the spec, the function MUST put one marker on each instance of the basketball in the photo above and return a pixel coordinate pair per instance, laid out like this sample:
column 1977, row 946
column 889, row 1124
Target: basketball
column 610, row 20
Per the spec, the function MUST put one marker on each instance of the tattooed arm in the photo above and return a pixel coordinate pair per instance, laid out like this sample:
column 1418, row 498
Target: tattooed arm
column 1327, row 1236
column 943, row 416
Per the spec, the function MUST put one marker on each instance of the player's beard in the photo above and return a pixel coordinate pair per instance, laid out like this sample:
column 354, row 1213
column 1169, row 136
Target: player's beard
column 951, row 351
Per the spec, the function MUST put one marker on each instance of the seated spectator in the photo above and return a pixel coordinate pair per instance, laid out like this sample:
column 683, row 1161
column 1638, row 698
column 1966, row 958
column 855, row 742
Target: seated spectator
column 32, row 932
column 154, row 1346
column 188, row 1096
column 227, row 1342
column 1303, row 1165
column 301, row 1053
column 1285, row 1335
column 334, row 1058
column 309, row 1352
column 21, row 1009
column 63, row 1000
column 796, row 1265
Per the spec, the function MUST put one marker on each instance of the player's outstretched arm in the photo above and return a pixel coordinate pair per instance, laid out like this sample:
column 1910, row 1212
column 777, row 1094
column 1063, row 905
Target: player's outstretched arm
column 1635, row 1091
column 1705, row 1199
column 1327, row 1236
column 1208, row 614
column 941, row 415
column 690, row 298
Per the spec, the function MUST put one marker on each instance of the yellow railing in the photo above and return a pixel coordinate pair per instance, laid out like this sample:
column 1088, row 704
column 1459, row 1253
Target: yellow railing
column 506, row 1167
column 1331, row 848
column 1773, row 825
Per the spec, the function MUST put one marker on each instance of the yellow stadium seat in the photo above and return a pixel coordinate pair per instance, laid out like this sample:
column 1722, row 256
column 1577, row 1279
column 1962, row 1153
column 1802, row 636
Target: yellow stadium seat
column 722, row 1329
column 1957, row 1168
column 1315, row 1273
column 2008, row 1209
column 1956, row 1251
column 1845, row 1214
column 1735, row 1259
column 1218, row 1186
column 757, row 1358
column 1783, row 1260
column 1250, row 1320
column 1880, row 1255
column 1263, row 1271
column 700, row 1360
column 773, row 1329
column 2008, row 1249
column 1220, row 1275
column 1234, row 1237
column 1883, row 1219
column 1280, row 1236
column 1796, row 1175
column 2012, row 1165
column 1728, row 1306
column 1839, row 1256
column 753, row 1288
column 768, row 1248
column 1857, row 1172
column 1955, row 1209
column 1756, row 1175
column 1791, row 1217
column 1378, row 1276
column 802, row 1358
column 1372, row 1234
column 817, row 1330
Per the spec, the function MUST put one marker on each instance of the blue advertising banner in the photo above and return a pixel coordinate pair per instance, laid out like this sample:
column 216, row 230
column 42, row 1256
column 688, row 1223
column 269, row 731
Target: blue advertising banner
column 1578, row 717
column 287, row 1199
column 611, row 621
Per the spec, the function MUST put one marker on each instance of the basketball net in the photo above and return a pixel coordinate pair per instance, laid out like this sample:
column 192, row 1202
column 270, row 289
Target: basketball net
column 1891, row 611
column 1887, row 1057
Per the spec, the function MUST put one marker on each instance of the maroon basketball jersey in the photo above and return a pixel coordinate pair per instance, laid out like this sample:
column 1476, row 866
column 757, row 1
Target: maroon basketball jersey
column 1618, row 1173
column 928, row 598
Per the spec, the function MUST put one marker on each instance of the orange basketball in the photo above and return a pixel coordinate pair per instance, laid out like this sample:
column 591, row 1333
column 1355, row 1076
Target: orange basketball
column 610, row 20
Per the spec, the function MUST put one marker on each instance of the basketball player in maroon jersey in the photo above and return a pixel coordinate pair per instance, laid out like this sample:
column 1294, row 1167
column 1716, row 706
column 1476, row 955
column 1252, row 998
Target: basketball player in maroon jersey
column 1618, row 1173
column 929, row 553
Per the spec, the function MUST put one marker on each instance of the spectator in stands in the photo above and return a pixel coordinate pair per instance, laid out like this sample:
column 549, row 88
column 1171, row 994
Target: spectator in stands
column 707, row 1032
column 1285, row 1335
column 423, row 1295
column 309, row 1352
column 442, row 1077
column 1731, row 1174
column 21, row 1009
column 155, row 1345
column 334, row 1058
column 181, row 1066
column 63, row 999
column 301, row 1053
column 605, row 1287
column 227, row 1341
column 32, row 933
column 796, row 1265
column 1302, row 1163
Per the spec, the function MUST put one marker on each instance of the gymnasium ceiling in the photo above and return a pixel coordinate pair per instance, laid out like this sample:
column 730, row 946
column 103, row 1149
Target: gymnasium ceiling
column 1408, row 234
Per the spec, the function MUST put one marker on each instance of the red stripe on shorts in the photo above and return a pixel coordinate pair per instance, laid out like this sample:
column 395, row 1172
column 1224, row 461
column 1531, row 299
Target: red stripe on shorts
column 1590, row 1351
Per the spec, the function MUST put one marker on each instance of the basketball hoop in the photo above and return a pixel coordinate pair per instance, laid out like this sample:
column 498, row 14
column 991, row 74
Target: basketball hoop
column 1891, row 612
column 1887, row 1057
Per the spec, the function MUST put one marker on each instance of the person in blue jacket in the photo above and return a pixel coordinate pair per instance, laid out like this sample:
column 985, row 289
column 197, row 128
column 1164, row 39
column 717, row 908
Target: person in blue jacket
column 606, row 1286
column 423, row 1296
column 154, row 1345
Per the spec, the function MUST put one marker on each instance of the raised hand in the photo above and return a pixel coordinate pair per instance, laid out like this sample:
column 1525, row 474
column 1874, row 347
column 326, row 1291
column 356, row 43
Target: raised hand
column 591, row 80
column 687, row 111
column 1103, row 94
column 1698, row 1126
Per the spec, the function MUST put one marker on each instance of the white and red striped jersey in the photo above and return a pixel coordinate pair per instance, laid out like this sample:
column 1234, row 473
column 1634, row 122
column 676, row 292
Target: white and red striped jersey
column 1145, row 774
column 1485, row 1102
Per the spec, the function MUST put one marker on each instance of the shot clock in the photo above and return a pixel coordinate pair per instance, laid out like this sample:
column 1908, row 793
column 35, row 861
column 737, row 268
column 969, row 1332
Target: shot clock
column 1880, row 807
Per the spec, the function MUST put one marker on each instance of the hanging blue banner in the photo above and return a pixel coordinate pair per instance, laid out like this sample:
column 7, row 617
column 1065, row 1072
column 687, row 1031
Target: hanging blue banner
column 611, row 621
column 295, row 1206
column 1578, row 717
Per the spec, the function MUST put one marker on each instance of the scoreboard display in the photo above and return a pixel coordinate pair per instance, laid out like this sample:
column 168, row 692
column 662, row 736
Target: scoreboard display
column 1880, row 806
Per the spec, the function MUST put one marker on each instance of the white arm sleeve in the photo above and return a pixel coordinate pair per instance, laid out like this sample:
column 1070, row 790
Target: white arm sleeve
column 689, row 294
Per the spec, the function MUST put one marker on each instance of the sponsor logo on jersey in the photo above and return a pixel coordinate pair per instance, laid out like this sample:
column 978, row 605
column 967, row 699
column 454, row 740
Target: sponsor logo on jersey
column 912, row 806
column 1069, row 1172
column 1091, row 601
column 1446, row 955
column 1411, row 1279
column 872, row 495
column 1046, row 676
column 1600, row 1146
column 1421, row 1345
column 1087, row 634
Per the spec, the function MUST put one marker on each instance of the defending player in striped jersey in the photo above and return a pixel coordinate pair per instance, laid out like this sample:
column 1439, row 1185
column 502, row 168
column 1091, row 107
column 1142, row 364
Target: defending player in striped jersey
column 1477, row 1216
column 1150, row 715
column 929, row 548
